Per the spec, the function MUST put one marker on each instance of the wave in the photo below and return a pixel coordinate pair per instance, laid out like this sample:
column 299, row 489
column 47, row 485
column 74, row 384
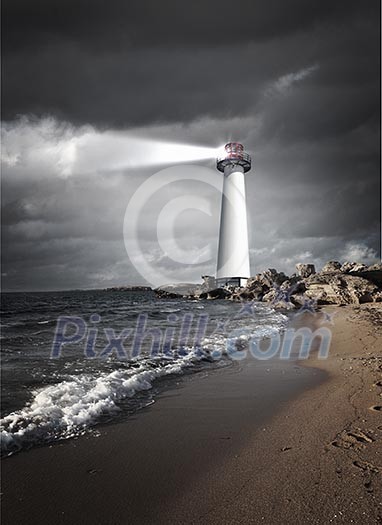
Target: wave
column 66, row 409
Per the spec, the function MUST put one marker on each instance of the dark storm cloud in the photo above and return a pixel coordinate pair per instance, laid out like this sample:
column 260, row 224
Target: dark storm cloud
column 101, row 24
column 122, row 63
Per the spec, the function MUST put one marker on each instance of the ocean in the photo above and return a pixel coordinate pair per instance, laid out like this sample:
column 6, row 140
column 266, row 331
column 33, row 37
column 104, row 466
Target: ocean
column 54, row 392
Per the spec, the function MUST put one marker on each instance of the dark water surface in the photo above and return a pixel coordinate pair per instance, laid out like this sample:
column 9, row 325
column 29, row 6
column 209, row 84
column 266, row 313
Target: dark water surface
column 46, row 399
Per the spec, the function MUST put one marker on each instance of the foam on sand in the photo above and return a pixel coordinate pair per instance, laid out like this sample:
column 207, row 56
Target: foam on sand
column 66, row 409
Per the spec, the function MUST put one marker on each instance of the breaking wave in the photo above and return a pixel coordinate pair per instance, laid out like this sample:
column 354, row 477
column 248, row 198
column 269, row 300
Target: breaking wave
column 67, row 409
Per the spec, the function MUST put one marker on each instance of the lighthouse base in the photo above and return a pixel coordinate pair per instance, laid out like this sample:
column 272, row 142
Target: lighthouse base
column 231, row 281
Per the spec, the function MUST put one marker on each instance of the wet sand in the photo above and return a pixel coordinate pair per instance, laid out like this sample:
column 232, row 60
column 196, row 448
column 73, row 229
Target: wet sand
column 251, row 443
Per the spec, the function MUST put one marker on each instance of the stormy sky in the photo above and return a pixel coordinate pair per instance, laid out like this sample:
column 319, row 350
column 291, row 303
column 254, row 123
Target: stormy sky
column 98, row 97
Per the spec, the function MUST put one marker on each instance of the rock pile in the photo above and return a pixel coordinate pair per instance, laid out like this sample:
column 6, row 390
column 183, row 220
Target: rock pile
column 336, row 283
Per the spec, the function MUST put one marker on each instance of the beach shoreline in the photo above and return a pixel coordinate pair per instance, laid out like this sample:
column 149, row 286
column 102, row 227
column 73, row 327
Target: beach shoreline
column 320, row 460
column 311, row 455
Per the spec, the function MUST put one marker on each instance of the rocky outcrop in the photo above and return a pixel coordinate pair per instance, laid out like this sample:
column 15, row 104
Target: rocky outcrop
column 349, row 283
column 331, row 266
column 352, row 267
column 375, row 267
column 218, row 293
column 371, row 273
column 339, row 288
column 305, row 270
column 375, row 276
column 269, row 278
column 336, row 283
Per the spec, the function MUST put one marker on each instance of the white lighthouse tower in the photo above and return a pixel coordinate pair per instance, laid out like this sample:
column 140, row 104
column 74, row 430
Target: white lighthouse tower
column 233, row 253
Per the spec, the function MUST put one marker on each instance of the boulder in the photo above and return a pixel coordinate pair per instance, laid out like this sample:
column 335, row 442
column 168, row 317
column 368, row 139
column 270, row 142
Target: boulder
column 347, row 266
column 372, row 273
column 269, row 296
column 209, row 283
column 284, row 305
column 375, row 267
column 331, row 266
column 305, row 270
column 377, row 296
column 256, row 294
column 266, row 279
column 358, row 267
column 298, row 300
column 279, row 298
column 293, row 285
column 218, row 293
column 339, row 288
column 375, row 276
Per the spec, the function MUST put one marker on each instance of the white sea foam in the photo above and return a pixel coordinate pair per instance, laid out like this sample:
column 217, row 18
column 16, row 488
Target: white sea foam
column 65, row 409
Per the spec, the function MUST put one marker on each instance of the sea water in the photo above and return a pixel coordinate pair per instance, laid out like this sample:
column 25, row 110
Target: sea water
column 45, row 399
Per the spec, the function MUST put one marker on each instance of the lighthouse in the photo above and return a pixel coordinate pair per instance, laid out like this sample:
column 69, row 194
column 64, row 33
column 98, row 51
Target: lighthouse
column 233, row 252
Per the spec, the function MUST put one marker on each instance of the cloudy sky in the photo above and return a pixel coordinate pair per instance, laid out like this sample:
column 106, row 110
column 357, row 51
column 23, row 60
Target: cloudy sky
column 102, row 97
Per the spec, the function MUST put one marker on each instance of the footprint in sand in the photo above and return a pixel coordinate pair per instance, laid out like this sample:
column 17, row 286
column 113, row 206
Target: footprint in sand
column 352, row 439
column 365, row 466
column 376, row 408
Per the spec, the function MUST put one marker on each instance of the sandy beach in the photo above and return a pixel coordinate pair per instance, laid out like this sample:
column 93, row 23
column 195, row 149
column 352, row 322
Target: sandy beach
column 211, row 451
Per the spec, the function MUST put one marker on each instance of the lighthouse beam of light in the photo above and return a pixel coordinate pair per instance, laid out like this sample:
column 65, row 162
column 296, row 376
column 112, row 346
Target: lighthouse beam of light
column 110, row 151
